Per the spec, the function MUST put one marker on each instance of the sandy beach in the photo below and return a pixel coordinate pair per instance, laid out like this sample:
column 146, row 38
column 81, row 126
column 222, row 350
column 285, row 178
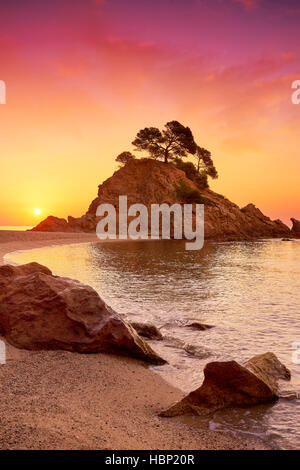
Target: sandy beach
column 62, row 400
column 14, row 240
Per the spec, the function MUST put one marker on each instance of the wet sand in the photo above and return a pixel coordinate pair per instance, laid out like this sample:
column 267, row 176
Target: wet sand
column 62, row 400
column 15, row 240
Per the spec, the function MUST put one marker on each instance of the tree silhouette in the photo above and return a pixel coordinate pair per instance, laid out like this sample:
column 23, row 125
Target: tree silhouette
column 173, row 141
column 124, row 157
column 205, row 163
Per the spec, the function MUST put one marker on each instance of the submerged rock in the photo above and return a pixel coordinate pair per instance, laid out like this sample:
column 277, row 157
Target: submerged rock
column 40, row 311
column 191, row 349
column 172, row 342
column 148, row 330
column 196, row 351
column 229, row 384
column 199, row 326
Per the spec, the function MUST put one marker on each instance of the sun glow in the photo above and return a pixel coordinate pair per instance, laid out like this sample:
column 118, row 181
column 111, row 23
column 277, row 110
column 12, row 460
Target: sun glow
column 37, row 211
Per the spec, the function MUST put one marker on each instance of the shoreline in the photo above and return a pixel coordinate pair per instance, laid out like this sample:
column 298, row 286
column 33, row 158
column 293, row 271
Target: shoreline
column 11, row 241
column 63, row 400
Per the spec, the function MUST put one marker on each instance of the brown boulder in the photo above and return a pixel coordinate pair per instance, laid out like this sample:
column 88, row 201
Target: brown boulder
column 229, row 384
column 269, row 369
column 295, row 228
column 40, row 311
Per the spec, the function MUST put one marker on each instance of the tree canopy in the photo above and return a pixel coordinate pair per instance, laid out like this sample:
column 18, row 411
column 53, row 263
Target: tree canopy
column 173, row 141
column 205, row 162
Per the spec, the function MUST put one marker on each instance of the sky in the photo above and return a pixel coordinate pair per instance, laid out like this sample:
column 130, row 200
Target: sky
column 83, row 76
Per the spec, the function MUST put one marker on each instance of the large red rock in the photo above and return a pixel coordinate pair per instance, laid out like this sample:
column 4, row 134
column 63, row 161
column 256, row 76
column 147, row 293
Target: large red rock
column 41, row 311
column 148, row 182
column 229, row 384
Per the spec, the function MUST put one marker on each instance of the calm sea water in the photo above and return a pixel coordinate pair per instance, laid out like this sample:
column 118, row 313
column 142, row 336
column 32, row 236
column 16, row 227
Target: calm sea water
column 250, row 292
column 18, row 228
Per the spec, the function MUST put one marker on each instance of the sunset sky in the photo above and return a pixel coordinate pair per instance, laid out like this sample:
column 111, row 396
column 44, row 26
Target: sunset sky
column 83, row 76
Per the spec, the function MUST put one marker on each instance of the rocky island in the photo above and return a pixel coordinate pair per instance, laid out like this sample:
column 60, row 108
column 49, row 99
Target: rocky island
column 150, row 181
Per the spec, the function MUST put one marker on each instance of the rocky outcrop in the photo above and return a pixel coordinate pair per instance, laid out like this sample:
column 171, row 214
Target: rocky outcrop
column 263, row 226
column 229, row 384
column 149, row 181
column 86, row 223
column 53, row 224
column 295, row 228
column 147, row 330
column 40, row 311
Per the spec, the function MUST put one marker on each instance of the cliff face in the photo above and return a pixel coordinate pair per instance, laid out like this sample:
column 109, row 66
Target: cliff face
column 148, row 181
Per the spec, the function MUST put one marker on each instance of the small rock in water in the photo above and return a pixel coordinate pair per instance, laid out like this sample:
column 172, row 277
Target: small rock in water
column 199, row 326
column 173, row 324
column 229, row 384
column 191, row 349
column 197, row 351
column 171, row 342
column 290, row 395
column 148, row 330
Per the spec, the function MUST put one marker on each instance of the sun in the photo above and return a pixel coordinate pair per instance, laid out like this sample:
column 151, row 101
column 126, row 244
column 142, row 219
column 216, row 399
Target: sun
column 37, row 211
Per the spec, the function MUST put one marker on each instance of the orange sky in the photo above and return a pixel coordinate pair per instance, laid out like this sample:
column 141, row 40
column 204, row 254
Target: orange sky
column 83, row 77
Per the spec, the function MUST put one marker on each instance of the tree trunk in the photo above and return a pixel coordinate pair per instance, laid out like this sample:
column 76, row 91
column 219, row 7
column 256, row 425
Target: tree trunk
column 166, row 156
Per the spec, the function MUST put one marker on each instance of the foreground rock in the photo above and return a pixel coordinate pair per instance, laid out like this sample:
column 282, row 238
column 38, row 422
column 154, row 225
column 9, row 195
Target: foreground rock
column 147, row 330
column 229, row 384
column 40, row 311
column 149, row 182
